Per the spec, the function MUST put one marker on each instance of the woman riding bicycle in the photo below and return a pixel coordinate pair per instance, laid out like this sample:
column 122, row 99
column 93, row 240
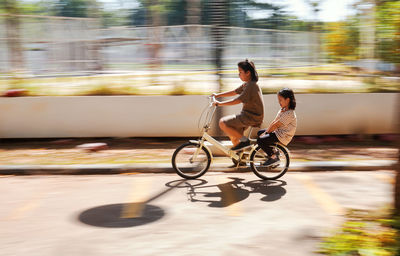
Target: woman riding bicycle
column 252, row 113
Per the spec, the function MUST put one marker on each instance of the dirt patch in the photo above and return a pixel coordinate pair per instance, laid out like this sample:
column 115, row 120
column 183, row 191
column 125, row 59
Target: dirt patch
column 160, row 150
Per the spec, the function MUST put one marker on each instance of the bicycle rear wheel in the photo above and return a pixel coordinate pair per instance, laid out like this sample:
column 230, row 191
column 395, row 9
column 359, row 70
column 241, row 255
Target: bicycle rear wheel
column 273, row 172
column 189, row 165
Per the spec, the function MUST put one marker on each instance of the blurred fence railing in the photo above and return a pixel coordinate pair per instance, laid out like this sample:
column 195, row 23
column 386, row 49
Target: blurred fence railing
column 49, row 45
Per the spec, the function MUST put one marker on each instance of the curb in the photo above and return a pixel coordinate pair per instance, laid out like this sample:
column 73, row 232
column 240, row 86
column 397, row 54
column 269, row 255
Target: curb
column 103, row 169
column 84, row 169
column 367, row 165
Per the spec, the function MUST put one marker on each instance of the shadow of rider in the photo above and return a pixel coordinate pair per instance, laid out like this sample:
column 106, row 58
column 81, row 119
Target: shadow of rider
column 237, row 190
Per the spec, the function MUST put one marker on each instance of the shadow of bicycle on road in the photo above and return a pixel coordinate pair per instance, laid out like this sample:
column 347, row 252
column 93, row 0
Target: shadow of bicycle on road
column 125, row 215
column 110, row 216
column 231, row 192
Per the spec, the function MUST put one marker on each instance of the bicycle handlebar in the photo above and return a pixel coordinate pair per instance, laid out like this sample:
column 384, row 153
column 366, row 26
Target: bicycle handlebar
column 212, row 99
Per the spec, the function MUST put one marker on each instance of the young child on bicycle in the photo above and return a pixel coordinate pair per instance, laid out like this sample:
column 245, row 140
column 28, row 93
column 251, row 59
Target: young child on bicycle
column 282, row 128
column 252, row 113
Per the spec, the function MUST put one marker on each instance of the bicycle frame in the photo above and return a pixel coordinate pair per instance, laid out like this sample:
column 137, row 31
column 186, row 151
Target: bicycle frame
column 210, row 139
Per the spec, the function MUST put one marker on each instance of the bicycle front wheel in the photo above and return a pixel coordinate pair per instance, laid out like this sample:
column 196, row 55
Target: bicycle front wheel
column 190, row 161
column 258, row 157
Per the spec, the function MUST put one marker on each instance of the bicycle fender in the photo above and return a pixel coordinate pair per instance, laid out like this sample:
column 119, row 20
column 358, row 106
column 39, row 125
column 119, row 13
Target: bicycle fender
column 277, row 144
column 283, row 146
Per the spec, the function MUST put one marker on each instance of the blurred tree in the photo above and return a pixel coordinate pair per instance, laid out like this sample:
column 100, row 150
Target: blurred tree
column 298, row 25
column 176, row 12
column 71, row 8
column 77, row 8
column 173, row 12
column 30, row 8
column 315, row 7
column 367, row 27
column 341, row 40
column 316, row 25
column 388, row 31
column 43, row 7
column 111, row 18
column 166, row 12
column 277, row 19
column 10, row 7
column 193, row 11
column 12, row 23
column 138, row 16
column 239, row 14
column 379, row 29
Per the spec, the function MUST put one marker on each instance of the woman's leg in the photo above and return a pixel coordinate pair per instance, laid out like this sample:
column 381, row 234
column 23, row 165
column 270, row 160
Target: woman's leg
column 232, row 133
column 233, row 127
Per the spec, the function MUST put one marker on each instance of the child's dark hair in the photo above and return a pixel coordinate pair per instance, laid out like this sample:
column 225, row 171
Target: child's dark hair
column 288, row 93
column 247, row 65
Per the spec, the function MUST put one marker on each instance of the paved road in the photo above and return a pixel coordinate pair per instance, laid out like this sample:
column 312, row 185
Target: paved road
column 220, row 214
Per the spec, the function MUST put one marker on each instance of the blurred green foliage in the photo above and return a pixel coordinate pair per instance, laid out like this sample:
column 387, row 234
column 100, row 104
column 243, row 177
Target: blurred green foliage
column 341, row 40
column 10, row 7
column 388, row 31
column 365, row 233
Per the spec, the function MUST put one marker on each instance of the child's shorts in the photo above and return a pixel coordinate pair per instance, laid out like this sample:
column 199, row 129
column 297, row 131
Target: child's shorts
column 234, row 122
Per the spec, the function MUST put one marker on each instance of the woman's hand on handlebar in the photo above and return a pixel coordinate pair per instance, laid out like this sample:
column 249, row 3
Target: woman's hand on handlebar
column 213, row 101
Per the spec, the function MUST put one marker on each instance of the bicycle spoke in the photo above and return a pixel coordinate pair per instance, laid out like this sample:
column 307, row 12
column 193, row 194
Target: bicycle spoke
column 274, row 171
column 190, row 161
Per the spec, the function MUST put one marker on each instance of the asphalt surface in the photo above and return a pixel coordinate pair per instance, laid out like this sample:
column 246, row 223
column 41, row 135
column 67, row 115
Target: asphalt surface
column 160, row 214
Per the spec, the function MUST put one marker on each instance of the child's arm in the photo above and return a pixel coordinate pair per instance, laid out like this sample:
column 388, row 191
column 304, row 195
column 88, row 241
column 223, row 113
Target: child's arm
column 274, row 125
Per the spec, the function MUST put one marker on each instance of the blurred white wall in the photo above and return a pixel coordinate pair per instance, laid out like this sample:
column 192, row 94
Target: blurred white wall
column 159, row 116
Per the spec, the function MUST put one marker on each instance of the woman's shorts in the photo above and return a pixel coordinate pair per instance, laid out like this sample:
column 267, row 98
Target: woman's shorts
column 234, row 122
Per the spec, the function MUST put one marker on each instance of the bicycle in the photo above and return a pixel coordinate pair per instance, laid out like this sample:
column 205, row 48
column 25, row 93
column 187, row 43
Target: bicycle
column 192, row 159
